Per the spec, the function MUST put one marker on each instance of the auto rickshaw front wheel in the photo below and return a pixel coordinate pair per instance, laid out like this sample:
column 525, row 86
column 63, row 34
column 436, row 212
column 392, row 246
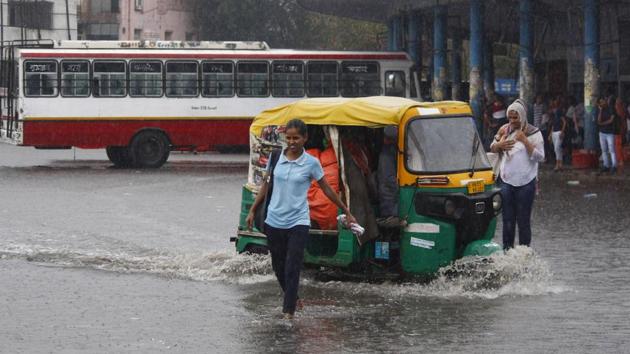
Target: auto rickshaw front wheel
column 256, row 249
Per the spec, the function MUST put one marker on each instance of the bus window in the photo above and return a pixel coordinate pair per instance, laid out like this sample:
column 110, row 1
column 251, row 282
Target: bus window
column 359, row 79
column 40, row 78
column 322, row 79
column 395, row 84
column 217, row 79
column 253, row 79
column 109, row 79
column 145, row 79
column 181, row 79
column 75, row 78
column 287, row 79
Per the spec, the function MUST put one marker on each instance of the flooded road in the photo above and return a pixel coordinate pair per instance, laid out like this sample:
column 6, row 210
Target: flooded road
column 95, row 259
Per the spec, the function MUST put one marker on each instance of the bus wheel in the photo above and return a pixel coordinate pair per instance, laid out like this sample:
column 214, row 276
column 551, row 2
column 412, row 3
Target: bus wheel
column 149, row 149
column 119, row 156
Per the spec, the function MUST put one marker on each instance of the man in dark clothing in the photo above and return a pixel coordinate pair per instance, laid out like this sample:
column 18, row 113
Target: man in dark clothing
column 357, row 167
column 387, row 180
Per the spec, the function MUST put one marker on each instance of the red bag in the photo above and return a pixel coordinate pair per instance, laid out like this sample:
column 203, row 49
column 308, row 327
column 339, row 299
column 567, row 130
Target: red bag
column 323, row 210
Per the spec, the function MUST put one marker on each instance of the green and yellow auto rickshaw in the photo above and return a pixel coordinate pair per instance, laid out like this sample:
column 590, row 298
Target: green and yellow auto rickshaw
column 447, row 199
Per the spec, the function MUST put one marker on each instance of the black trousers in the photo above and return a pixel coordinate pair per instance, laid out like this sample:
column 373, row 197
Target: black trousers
column 287, row 255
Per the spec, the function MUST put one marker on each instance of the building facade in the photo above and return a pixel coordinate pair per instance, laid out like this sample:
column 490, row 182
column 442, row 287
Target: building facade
column 35, row 20
column 137, row 20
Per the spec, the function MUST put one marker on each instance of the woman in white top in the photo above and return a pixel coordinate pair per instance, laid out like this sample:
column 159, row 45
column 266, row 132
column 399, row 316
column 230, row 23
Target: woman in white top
column 520, row 147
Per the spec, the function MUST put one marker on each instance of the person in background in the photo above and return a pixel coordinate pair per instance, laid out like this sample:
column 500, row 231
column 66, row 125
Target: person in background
column 545, row 130
column 539, row 110
column 558, row 126
column 521, row 148
column 487, row 127
column 605, row 121
column 288, row 221
column 569, row 132
column 498, row 113
column 620, row 129
column 579, row 118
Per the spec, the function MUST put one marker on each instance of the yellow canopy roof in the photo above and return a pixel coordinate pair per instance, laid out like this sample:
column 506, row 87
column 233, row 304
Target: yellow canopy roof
column 373, row 112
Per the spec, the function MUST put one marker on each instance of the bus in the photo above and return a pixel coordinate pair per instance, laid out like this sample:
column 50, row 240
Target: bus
column 140, row 100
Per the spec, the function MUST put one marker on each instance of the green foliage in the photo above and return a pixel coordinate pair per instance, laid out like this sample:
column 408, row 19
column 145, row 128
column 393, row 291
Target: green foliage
column 283, row 24
column 331, row 32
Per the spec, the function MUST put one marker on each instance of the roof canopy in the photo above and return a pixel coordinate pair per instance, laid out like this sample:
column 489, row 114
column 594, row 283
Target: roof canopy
column 373, row 112
column 502, row 21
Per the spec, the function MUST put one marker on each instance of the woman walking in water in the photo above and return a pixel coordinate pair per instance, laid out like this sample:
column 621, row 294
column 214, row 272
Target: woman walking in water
column 287, row 223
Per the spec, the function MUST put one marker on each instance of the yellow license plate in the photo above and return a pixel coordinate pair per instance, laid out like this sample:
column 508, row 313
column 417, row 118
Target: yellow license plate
column 475, row 187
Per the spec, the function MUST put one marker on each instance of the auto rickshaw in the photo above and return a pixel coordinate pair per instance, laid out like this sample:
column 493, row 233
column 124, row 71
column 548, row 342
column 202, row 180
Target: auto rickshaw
column 447, row 199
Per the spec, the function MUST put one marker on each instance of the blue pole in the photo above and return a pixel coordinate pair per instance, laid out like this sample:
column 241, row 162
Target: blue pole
column 456, row 67
column 390, row 34
column 439, row 53
column 414, row 47
column 414, row 39
column 488, row 69
column 476, row 60
column 393, row 33
column 591, row 72
column 526, row 56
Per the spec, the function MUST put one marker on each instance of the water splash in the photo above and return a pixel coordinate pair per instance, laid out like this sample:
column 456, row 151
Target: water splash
column 518, row 272
column 230, row 267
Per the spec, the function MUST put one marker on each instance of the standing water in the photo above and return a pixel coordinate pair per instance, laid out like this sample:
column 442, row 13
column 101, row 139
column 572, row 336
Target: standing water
column 95, row 259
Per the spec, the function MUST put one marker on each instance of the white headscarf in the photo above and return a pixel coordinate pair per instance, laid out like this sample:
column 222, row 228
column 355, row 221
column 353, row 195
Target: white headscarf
column 520, row 108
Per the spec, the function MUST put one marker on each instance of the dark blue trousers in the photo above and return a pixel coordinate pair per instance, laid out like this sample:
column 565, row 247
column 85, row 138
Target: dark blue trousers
column 517, row 209
column 287, row 254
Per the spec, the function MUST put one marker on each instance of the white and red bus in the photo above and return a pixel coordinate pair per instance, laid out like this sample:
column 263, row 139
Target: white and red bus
column 142, row 99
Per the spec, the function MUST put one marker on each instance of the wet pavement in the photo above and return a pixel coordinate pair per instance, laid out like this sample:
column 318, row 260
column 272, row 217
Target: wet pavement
column 96, row 259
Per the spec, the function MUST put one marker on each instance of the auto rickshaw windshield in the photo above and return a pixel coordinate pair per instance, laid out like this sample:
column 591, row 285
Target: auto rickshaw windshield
column 444, row 145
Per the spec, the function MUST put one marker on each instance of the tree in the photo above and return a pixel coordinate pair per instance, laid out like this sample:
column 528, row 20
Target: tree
column 282, row 24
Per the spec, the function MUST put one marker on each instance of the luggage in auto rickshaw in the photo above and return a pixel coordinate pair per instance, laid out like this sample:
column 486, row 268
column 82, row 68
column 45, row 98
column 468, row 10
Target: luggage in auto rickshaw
column 444, row 192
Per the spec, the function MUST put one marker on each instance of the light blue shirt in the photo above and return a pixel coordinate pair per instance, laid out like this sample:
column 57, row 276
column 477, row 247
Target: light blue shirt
column 288, row 206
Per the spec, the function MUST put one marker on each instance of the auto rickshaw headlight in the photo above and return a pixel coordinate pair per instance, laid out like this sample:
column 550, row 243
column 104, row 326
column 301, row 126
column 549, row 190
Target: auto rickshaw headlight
column 449, row 207
column 497, row 202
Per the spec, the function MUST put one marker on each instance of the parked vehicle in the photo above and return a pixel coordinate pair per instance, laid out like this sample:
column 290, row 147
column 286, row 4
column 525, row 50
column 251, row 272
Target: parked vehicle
column 142, row 99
